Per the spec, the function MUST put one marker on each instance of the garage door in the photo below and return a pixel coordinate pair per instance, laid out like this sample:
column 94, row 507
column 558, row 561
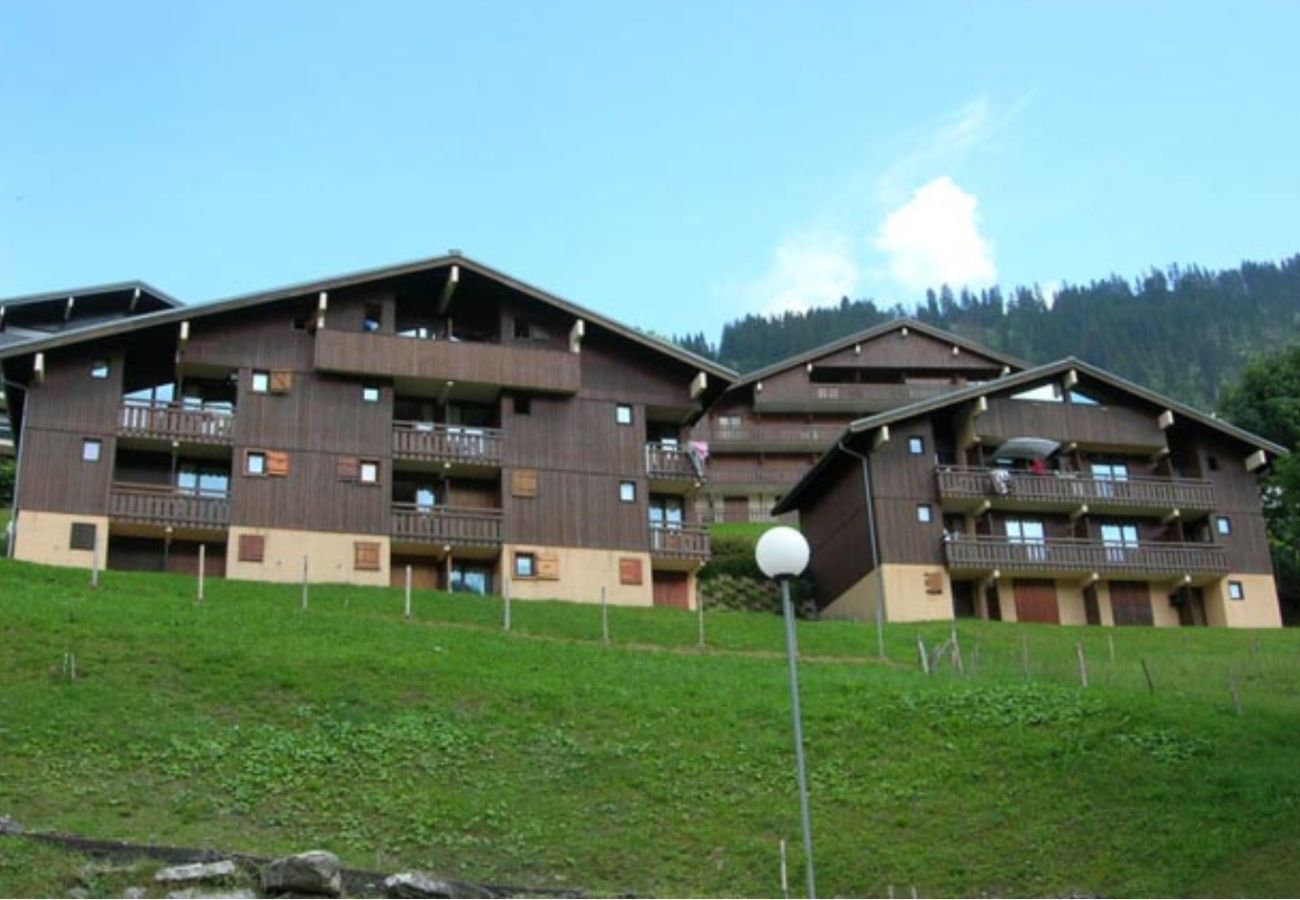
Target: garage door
column 1130, row 602
column 1036, row 601
column 672, row 589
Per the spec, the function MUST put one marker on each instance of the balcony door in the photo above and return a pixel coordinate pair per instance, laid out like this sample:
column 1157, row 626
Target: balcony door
column 1107, row 474
column 1130, row 602
column 1031, row 534
column 1120, row 540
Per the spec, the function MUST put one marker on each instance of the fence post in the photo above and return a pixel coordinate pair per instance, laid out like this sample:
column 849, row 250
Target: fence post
column 956, row 650
column 925, row 657
column 408, row 593
column 785, row 881
column 1083, row 664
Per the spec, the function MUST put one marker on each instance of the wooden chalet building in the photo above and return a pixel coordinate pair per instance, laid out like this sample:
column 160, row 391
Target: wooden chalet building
column 438, row 414
column 38, row 316
column 1057, row 494
column 769, row 427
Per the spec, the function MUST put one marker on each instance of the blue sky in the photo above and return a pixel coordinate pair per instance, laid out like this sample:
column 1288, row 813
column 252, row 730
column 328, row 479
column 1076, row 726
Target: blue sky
column 674, row 165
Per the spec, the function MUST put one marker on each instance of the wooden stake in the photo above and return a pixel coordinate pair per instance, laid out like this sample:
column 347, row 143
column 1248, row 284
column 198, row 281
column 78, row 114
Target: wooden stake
column 304, row 582
column 203, row 562
column 925, row 657
column 956, row 651
column 785, row 879
column 1151, row 685
column 1083, row 664
column 408, row 593
column 604, row 617
column 1236, row 694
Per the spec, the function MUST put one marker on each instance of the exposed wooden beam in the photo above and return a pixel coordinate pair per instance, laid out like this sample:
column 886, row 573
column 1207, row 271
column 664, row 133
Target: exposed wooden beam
column 1256, row 460
column 185, row 331
column 135, row 298
column 699, row 384
column 576, row 334
column 880, row 438
column 1172, row 516
column 1078, row 512
column 984, row 507
column 446, row 391
column 1071, row 379
column 448, row 288
column 981, row 406
column 322, row 306
column 38, row 368
column 857, row 349
column 1160, row 454
column 67, row 309
column 1166, row 419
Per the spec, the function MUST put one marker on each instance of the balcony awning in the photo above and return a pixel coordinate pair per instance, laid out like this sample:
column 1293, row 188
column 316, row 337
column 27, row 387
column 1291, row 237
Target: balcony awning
column 1027, row 448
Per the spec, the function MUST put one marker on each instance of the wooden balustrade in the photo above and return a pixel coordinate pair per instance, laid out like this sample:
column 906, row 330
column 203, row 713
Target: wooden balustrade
column 679, row 541
column 429, row 442
column 453, row 525
column 1074, row 555
column 164, row 505
column 673, row 463
column 174, row 422
column 1060, row 490
column 773, row 476
column 848, row 397
column 810, row 438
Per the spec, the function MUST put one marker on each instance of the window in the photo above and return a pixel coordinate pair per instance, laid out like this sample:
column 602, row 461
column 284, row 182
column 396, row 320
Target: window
column 623, row 414
column 99, row 368
column 373, row 318
column 666, row 512
column 1078, row 398
column 916, row 445
column 1105, row 473
column 526, row 330
column 365, row 556
column 425, row 497
column 728, row 421
column 924, row 513
column 1223, row 525
column 202, row 480
column 1236, row 591
column 252, row 548
column 1027, row 532
column 523, row 406
column 467, row 578
column 525, row 565
column 369, row 393
column 627, row 491
column 1212, row 462
column 1117, row 537
column 368, row 472
column 91, row 449
column 261, row 382
column 254, row 463
column 82, row 536
column 1044, row 393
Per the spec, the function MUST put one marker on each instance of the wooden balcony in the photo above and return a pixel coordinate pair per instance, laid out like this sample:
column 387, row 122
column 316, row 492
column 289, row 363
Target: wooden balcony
column 427, row 442
column 967, row 488
column 451, row 526
column 499, row 365
column 174, row 422
column 848, row 398
column 1057, row 557
column 679, row 544
column 672, row 467
column 164, row 506
column 772, row 438
column 756, row 476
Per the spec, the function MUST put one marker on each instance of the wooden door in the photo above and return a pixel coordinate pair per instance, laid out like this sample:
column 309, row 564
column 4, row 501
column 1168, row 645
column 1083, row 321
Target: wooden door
column 1130, row 602
column 671, row 589
column 426, row 573
column 1036, row 601
column 963, row 599
column 993, row 603
column 1191, row 606
column 1091, row 609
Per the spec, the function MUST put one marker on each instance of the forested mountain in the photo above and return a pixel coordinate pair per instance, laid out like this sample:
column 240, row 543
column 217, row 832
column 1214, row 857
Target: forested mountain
column 1182, row 331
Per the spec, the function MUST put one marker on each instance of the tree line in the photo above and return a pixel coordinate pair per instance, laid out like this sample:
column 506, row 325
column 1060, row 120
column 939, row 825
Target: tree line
column 1181, row 331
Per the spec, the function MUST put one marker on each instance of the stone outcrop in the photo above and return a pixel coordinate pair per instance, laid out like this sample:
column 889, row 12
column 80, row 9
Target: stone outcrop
column 315, row 873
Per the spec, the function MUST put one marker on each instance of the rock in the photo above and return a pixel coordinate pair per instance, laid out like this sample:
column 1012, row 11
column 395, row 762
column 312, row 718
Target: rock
column 417, row 884
column 314, row 872
column 134, row 892
column 198, row 893
column 10, row 826
column 196, row 872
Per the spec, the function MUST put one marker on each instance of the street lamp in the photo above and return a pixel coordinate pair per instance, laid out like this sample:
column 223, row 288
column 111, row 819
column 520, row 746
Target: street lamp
column 782, row 553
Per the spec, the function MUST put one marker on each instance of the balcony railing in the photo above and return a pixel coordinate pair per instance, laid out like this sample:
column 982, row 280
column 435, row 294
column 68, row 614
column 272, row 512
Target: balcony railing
column 849, row 397
column 1075, row 555
column 672, row 463
column 679, row 541
column 762, row 476
column 150, row 504
column 1071, row 491
column 174, row 422
column 453, row 525
column 756, row 436
column 427, row 442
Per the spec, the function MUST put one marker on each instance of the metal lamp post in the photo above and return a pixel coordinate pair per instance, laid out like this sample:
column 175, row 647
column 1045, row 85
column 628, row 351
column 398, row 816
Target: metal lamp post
column 782, row 553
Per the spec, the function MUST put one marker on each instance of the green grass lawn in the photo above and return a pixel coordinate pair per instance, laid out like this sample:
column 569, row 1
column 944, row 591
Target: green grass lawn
column 543, row 757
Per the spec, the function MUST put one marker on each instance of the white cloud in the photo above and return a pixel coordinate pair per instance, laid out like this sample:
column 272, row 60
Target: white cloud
column 808, row 268
column 934, row 239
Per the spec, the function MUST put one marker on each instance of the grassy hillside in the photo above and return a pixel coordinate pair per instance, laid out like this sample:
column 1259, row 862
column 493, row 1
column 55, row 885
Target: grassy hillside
column 544, row 757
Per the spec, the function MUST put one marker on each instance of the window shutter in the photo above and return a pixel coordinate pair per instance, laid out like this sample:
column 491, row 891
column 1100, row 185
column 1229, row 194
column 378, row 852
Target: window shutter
column 629, row 570
column 349, row 468
column 548, row 566
column 523, row 483
column 366, row 556
column 934, row 582
column 82, row 537
column 281, row 381
column 277, row 463
column 252, row 548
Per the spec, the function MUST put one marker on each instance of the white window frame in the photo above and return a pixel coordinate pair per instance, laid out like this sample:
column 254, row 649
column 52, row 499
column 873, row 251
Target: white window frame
column 92, row 450
column 627, row 492
column 623, row 413
column 368, row 471
column 260, row 383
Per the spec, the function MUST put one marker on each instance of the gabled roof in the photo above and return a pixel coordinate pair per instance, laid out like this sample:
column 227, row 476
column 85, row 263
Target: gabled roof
column 143, row 287
column 867, row 334
column 1027, row 378
column 338, row 282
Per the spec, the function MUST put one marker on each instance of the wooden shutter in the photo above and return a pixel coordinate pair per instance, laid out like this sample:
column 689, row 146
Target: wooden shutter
column 281, row 381
column 523, row 483
column 82, row 537
column 252, row 548
column 366, row 556
column 934, row 582
column 277, row 463
column 349, row 468
column 629, row 570
column 548, row 566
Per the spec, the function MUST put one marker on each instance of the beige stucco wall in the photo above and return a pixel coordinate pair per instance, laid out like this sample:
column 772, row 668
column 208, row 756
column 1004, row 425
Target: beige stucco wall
column 43, row 537
column 1258, row 609
column 583, row 572
column 1069, row 603
column 330, row 557
column 1163, row 613
column 903, row 588
column 858, row 602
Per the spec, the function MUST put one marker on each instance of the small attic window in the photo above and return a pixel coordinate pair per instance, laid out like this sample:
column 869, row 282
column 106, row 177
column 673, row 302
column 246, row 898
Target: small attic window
column 1043, row 393
column 1079, row 398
